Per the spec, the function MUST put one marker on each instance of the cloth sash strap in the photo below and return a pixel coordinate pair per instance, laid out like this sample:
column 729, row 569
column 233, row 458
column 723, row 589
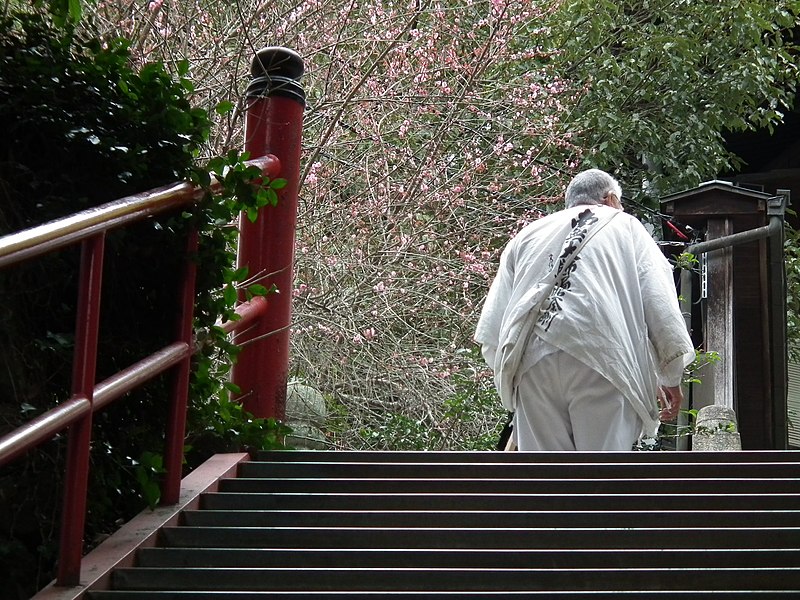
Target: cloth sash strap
column 520, row 322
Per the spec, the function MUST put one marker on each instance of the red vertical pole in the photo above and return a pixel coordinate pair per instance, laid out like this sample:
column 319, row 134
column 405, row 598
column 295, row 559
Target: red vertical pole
column 273, row 126
column 84, row 367
column 176, row 422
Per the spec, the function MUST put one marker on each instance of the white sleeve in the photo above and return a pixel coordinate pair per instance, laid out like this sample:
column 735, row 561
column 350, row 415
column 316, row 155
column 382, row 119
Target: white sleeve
column 487, row 332
column 666, row 327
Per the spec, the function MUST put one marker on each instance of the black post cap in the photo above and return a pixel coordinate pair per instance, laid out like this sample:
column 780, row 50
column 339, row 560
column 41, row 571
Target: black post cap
column 276, row 61
column 276, row 72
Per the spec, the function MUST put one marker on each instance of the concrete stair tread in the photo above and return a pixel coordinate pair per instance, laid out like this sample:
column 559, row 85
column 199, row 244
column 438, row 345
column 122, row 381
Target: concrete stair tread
column 314, row 525
column 691, row 594
column 522, row 470
column 476, row 457
column 366, row 579
column 443, row 558
column 477, row 519
column 487, row 537
column 510, row 486
column 491, row 502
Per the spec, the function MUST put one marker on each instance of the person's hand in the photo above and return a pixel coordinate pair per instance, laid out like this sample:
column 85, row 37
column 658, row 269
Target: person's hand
column 670, row 399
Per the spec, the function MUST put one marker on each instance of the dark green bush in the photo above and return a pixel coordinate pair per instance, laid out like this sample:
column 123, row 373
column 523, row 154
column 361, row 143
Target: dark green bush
column 81, row 127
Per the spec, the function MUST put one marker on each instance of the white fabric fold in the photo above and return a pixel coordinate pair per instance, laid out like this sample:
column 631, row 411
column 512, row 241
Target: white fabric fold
column 614, row 308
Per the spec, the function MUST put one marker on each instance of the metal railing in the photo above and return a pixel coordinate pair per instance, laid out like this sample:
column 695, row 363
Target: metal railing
column 275, row 104
column 89, row 228
column 722, row 313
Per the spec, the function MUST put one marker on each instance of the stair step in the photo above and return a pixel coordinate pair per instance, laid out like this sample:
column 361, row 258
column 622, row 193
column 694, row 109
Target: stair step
column 480, row 519
column 701, row 593
column 494, row 559
column 511, row 486
column 486, row 538
column 322, row 525
column 488, row 501
column 446, row 456
column 516, row 471
column 276, row 579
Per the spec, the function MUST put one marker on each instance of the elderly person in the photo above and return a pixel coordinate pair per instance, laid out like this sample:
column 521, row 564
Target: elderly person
column 582, row 326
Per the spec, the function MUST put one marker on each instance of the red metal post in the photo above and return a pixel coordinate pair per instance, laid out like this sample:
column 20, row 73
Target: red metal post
column 176, row 422
column 273, row 126
column 73, row 516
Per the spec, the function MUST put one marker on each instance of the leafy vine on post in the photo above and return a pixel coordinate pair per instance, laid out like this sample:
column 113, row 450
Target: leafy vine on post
column 223, row 423
column 274, row 122
column 112, row 130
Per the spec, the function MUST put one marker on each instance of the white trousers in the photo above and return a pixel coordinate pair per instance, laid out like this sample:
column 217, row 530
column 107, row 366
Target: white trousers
column 564, row 405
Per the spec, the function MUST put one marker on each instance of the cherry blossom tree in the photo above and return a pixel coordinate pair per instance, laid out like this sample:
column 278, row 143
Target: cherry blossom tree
column 434, row 130
column 431, row 135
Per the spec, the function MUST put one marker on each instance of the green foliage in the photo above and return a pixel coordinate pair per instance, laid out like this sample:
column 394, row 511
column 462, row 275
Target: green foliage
column 223, row 425
column 149, row 469
column 686, row 261
column 395, row 431
column 54, row 86
column 83, row 127
column 473, row 407
column 63, row 12
column 659, row 82
column 236, row 429
column 671, row 431
column 668, row 432
column 218, row 424
column 701, row 361
column 792, row 265
column 215, row 218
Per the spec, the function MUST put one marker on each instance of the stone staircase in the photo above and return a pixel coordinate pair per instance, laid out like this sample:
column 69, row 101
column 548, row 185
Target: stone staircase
column 314, row 525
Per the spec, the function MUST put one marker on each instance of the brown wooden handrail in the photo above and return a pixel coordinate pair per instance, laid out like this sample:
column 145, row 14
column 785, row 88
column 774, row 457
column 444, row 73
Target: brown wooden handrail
column 89, row 228
column 72, row 229
column 273, row 128
column 60, row 233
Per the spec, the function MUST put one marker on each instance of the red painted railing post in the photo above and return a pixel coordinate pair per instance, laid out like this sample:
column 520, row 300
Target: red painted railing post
column 274, row 126
column 73, row 517
column 176, row 422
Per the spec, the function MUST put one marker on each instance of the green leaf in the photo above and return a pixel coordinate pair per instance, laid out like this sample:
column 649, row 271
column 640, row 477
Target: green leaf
column 230, row 295
column 232, row 276
column 278, row 184
column 232, row 387
column 240, row 274
column 258, row 290
column 216, row 165
column 223, row 108
column 151, row 493
column 262, row 197
column 75, row 10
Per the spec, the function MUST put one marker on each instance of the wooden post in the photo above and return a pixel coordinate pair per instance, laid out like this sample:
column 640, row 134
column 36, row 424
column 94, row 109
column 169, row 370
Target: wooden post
column 719, row 316
column 273, row 126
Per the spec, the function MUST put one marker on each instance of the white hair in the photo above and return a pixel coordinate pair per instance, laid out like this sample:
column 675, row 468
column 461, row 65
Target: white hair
column 591, row 187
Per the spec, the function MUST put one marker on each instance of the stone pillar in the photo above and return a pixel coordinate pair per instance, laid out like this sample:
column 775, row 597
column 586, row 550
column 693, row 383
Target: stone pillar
column 716, row 430
column 305, row 414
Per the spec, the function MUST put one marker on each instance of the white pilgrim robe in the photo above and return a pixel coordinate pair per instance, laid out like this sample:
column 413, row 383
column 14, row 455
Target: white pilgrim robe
column 614, row 309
